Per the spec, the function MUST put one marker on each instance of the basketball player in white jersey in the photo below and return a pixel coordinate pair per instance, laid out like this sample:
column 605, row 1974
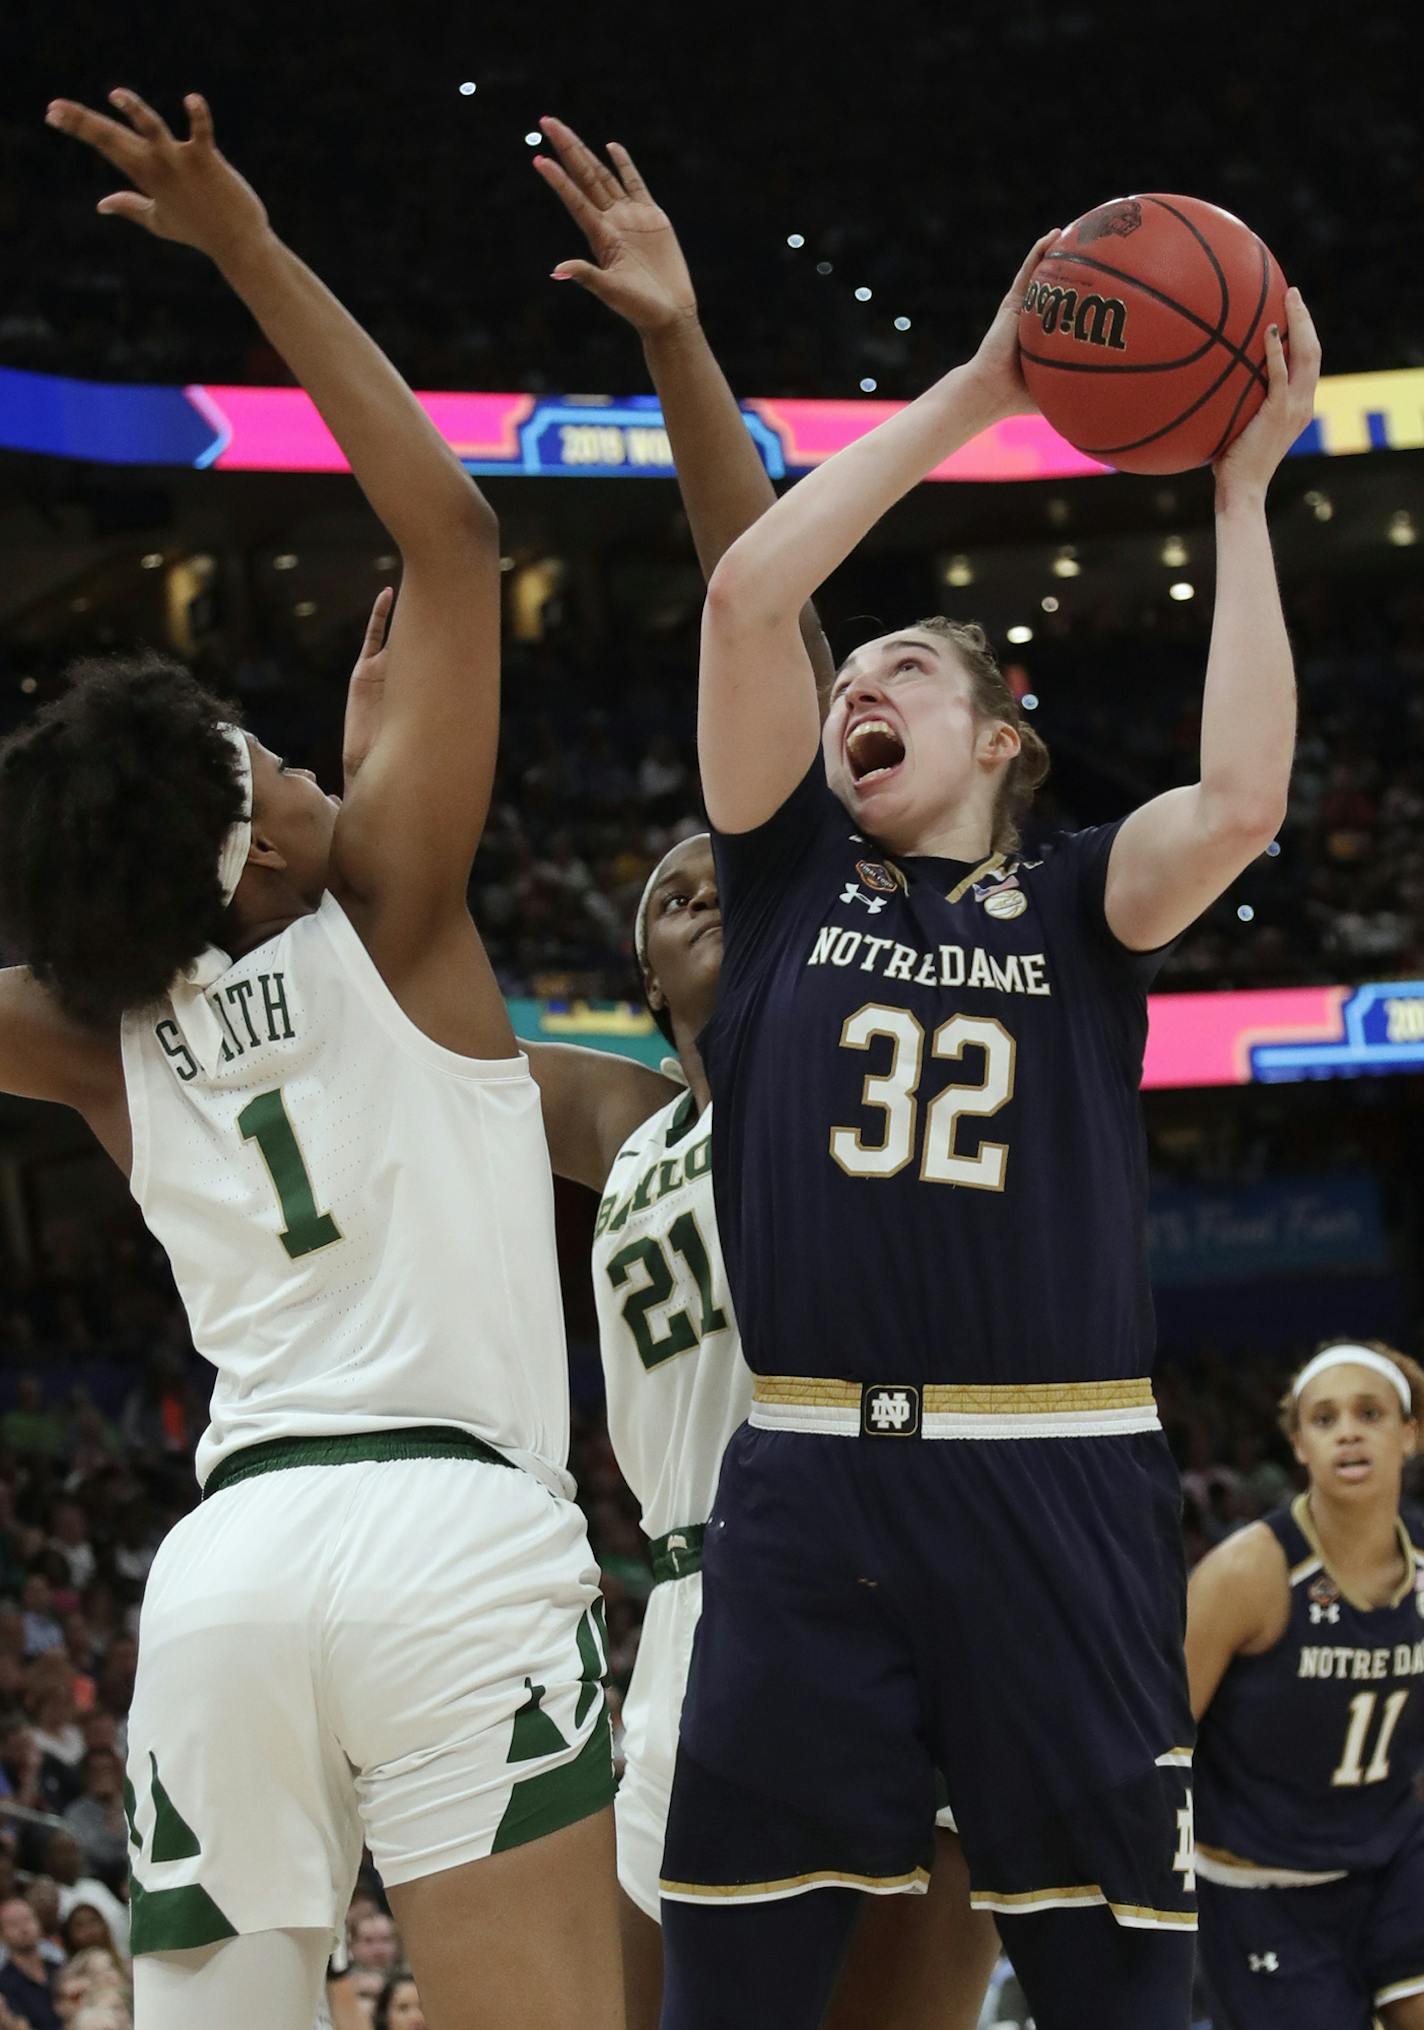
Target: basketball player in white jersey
column 677, row 1386
column 277, row 1016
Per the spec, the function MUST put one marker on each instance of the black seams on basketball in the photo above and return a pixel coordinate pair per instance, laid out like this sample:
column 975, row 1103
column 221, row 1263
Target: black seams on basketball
column 1143, row 331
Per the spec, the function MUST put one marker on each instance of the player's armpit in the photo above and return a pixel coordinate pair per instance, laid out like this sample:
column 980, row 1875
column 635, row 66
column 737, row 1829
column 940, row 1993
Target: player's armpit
column 1173, row 857
column 592, row 1101
column 1238, row 1599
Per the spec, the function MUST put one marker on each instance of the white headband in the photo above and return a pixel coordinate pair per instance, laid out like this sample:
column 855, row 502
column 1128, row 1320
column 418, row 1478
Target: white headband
column 640, row 921
column 1355, row 1356
column 188, row 990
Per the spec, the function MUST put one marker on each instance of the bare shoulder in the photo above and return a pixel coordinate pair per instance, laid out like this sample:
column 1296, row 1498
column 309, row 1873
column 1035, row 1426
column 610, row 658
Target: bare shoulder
column 1248, row 1557
column 1245, row 1581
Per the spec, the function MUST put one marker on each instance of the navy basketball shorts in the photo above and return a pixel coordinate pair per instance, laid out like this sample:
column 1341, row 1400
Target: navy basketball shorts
column 1009, row 1611
column 1322, row 1958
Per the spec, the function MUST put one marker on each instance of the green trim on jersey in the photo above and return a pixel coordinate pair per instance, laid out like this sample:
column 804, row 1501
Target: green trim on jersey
column 422, row 1441
column 560, row 1797
column 684, row 1120
column 169, row 1920
column 677, row 1554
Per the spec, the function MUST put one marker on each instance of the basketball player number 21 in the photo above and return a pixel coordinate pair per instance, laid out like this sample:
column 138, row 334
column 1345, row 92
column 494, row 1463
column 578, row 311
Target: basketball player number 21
column 266, row 1122
column 896, row 1093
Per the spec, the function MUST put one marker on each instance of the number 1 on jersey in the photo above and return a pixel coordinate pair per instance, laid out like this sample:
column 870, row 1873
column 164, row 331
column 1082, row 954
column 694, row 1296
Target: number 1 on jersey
column 265, row 1121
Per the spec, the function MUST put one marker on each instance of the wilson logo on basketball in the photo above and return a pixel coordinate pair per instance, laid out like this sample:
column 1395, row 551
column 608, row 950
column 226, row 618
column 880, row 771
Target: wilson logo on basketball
column 1091, row 320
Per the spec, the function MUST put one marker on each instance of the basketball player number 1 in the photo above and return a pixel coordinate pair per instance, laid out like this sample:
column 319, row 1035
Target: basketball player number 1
column 266, row 1122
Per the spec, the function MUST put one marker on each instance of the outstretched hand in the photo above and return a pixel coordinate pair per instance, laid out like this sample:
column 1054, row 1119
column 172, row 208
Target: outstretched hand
column 187, row 191
column 637, row 267
column 1249, row 463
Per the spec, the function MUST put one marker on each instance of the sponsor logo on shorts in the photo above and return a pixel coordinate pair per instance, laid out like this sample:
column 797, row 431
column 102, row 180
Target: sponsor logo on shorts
column 890, row 1410
column 1264, row 1963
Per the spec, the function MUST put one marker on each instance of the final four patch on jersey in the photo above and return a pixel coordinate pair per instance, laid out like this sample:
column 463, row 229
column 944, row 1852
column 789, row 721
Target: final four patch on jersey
column 1323, row 1590
column 1001, row 895
column 1006, row 903
column 880, row 879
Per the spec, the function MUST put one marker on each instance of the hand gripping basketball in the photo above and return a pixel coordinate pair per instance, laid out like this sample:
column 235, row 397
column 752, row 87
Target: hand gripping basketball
column 1293, row 369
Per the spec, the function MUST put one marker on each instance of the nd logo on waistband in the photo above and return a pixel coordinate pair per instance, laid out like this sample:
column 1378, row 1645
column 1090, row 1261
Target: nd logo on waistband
column 890, row 1410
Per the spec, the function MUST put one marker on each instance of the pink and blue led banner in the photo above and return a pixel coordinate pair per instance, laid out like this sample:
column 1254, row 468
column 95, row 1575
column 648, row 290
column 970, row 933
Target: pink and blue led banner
column 244, row 429
column 1271, row 1037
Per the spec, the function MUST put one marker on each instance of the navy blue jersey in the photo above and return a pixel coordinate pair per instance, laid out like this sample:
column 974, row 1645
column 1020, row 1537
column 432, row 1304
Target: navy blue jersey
column 1307, row 1754
column 928, row 1151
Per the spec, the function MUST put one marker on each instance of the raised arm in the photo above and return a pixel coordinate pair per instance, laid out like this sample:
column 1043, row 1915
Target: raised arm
column 1175, row 855
column 592, row 1099
column 638, row 270
column 758, row 724
column 406, row 837
column 45, row 1055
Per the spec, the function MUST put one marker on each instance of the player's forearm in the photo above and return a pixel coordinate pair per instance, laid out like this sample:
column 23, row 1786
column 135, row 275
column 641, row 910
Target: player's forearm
column 1248, row 708
column 771, row 572
column 720, row 475
column 407, row 472
column 721, row 478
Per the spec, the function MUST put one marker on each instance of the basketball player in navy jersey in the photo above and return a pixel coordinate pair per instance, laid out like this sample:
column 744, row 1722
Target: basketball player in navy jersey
column 917, row 1964
column 948, row 1536
column 1305, row 1645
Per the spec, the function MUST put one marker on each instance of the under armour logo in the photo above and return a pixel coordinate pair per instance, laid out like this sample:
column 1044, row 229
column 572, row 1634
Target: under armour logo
column 1319, row 1613
column 853, row 892
column 887, row 1412
column 1264, row 1963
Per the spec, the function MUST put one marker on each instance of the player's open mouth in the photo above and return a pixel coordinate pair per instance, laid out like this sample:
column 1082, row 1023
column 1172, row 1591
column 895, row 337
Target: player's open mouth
column 873, row 750
column 1352, row 1466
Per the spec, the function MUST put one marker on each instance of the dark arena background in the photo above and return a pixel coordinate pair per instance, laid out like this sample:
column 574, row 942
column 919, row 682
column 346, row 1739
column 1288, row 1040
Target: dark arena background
column 854, row 192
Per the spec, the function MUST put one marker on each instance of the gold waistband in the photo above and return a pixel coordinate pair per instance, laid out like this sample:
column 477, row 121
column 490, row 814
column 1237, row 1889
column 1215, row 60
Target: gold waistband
column 965, row 1399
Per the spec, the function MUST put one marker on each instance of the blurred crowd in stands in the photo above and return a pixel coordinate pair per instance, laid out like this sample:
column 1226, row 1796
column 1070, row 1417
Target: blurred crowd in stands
column 598, row 775
column 908, row 159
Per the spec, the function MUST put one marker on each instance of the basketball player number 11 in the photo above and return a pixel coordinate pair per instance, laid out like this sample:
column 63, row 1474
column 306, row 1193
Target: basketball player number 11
column 266, row 1122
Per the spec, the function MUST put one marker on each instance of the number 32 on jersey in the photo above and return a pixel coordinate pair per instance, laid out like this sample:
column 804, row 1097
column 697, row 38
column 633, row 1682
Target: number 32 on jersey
column 896, row 1094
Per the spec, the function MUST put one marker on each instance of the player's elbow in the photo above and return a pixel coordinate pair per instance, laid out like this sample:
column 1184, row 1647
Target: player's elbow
column 1247, row 820
column 741, row 598
column 472, row 518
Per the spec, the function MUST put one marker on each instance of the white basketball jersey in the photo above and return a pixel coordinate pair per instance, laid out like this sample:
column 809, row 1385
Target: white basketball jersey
column 676, row 1382
column 360, row 1222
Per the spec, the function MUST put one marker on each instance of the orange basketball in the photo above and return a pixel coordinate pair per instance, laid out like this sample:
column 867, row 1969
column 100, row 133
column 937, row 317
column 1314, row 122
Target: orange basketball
column 1143, row 331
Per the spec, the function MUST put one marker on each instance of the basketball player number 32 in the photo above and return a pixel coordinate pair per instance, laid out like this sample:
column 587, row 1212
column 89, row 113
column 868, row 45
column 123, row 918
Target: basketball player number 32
column 896, row 1094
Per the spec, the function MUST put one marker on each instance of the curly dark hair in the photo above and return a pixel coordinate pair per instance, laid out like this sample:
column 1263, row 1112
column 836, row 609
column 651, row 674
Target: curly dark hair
column 114, row 802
